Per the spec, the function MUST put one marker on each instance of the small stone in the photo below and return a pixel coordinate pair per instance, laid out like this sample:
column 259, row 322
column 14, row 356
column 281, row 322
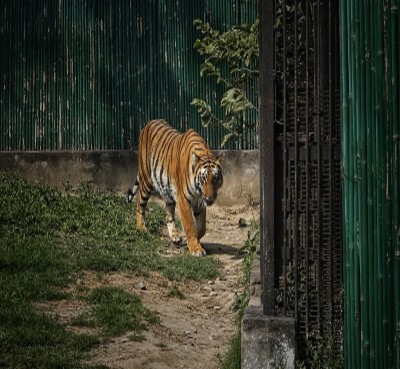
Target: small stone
column 141, row 286
column 242, row 223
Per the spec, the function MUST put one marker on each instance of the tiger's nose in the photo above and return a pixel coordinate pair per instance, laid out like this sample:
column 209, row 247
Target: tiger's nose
column 209, row 200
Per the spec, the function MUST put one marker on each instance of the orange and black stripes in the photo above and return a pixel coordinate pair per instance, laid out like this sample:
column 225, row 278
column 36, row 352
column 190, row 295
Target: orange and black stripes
column 182, row 169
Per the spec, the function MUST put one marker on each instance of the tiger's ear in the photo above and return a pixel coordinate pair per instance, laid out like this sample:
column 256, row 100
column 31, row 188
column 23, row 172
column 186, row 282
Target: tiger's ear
column 195, row 158
column 218, row 159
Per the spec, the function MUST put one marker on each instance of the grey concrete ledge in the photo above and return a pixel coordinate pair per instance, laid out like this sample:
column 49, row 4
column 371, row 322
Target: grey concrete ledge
column 267, row 341
column 116, row 170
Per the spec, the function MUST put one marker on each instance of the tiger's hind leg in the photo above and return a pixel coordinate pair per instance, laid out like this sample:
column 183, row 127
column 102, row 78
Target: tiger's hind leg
column 142, row 200
column 173, row 232
column 200, row 222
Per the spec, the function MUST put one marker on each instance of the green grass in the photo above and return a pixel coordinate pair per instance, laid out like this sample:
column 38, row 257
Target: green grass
column 232, row 358
column 47, row 238
column 115, row 312
column 175, row 292
column 30, row 339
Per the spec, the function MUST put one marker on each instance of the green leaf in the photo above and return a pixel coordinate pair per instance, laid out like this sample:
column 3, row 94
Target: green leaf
column 232, row 58
column 226, row 138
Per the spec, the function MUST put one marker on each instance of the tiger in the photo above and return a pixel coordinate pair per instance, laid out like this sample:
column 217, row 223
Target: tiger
column 181, row 168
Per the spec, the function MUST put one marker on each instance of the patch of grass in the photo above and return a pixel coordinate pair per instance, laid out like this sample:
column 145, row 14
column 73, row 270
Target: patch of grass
column 31, row 269
column 115, row 311
column 232, row 358
column 161, row 345
column 137, row 338
column 183, row 267
column 322, row 352
column 30, row 339
column 174, row 292
column 47, row 238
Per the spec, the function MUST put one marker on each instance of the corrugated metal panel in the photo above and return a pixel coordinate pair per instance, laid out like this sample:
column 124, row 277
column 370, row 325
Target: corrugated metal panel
column 371, row 166
column 87, row 75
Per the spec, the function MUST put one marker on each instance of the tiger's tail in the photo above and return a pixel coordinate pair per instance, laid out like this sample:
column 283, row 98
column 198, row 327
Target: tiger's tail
column 132, row 192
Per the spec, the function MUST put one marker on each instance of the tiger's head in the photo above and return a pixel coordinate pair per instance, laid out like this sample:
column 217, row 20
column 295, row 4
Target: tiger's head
column 208, row 176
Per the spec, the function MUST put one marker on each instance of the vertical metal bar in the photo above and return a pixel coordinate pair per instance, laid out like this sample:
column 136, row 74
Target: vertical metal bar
column 295, row 209
column 385, row 130
column 353, row 169
column 331, row 118
column 345, row 204
column 357, row 148
column 395, row 103
column 317, row 107
column 362, row 180
column 388, row 208
column 379, row 175
column 368, row 32
column 85, row 31
column 267, row 157
column 60, row 74
column 307, row 159
column 286, row 168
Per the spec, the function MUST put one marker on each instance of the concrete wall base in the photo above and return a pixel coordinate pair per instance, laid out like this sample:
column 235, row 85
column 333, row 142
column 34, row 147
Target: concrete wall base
column 268, row 342
column 116, row 170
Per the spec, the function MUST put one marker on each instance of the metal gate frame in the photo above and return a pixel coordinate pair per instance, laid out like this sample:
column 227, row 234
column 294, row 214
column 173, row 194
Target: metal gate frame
column 301, row 225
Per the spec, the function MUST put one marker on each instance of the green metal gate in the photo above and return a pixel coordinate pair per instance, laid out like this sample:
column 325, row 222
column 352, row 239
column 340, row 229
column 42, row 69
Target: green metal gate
column 370, row 170
column 87, row 75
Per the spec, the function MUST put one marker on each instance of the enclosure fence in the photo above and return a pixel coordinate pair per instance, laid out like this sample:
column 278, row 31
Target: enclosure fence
column 87, row 75
column 301, row 215
column 371, row 177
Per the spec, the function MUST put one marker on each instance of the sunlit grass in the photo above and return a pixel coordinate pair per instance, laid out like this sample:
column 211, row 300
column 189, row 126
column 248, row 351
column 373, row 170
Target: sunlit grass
column 48, row 238
column 115, row 311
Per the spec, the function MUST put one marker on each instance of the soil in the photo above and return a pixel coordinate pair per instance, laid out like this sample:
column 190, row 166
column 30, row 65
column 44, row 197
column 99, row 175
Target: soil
column 193, row 331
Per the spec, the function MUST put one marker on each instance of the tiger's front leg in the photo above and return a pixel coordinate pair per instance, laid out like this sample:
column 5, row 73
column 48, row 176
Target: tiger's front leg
column 189, row 227
column 173, row 233
column 200, row 222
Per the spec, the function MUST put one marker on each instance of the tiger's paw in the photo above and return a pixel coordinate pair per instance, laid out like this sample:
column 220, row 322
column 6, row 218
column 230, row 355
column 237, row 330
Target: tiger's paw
column 176, row 239
column 174, row 234
column 199, row 253
column 197, row 250
column 141, row 227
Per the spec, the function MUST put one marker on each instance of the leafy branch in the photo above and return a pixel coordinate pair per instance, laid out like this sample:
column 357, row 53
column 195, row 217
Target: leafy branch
column 232, row 58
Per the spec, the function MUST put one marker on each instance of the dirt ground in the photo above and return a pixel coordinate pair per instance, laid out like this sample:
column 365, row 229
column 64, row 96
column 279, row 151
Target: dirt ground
column 193, row 332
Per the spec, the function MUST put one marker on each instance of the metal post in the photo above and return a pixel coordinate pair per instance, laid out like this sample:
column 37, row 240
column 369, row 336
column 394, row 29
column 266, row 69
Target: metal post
column 267, row 156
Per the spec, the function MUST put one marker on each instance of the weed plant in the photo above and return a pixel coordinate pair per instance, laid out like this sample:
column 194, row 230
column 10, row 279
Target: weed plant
column 48, row 238
column 232, row 358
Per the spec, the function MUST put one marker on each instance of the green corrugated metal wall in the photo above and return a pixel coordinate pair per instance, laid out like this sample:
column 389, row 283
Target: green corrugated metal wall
column 88, row 74
column 370, row 141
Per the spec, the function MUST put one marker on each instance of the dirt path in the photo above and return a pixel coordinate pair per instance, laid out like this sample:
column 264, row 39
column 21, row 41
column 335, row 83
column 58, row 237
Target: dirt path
column 195, row 331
